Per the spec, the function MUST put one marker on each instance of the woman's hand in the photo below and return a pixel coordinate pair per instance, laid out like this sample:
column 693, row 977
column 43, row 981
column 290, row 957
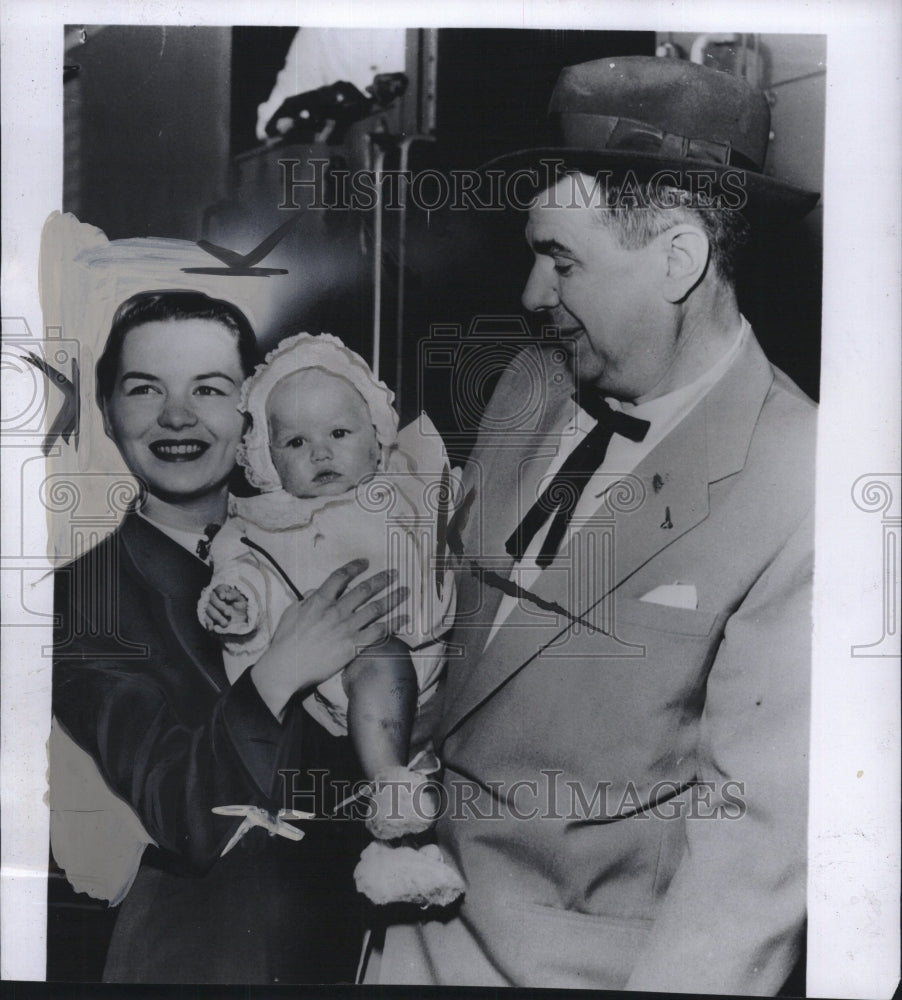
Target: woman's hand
column 320, row 635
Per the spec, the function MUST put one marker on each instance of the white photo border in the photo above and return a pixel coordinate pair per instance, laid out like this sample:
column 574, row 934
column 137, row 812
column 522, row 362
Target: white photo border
column 854, row 834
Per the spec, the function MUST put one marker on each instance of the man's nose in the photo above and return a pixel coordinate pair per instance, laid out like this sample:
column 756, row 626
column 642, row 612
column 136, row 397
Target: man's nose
column 177, row 412
column 541, row 291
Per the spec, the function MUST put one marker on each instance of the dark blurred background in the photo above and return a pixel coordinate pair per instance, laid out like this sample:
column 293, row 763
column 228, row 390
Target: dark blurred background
column 161, row 140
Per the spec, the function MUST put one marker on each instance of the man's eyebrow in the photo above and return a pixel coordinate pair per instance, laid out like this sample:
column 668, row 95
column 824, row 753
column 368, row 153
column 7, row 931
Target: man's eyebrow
column 549, row 247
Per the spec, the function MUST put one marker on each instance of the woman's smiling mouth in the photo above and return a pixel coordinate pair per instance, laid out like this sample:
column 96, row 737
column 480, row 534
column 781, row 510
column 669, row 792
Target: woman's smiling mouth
column 178, row 451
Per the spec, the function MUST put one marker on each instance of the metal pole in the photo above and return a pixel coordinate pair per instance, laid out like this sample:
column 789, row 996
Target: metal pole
column 406, row 143
column 378, row 163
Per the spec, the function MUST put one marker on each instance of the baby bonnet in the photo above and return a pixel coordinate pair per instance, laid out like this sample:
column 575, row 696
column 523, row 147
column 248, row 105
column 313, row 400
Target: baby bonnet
column 304, row 351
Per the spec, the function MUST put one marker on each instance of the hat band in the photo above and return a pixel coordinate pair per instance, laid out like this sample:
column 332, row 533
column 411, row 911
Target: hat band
column 611, row 133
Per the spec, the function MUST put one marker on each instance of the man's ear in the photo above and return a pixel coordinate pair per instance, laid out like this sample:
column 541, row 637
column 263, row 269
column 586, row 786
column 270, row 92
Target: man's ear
column 686, row 253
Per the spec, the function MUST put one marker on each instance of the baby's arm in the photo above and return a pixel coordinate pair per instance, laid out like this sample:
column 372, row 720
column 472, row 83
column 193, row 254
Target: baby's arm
column 382, row 700
column 232, row 604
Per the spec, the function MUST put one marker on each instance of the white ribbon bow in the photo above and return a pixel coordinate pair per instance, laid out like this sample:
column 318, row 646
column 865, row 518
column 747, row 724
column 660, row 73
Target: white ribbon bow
column 425, row 762
column 256, row 816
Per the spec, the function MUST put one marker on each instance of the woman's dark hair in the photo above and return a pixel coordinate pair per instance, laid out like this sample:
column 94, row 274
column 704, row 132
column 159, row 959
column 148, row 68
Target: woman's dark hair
column 166, row 304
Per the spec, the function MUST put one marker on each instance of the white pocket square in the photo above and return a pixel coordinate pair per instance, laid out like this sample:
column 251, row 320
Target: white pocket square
column 673, row 595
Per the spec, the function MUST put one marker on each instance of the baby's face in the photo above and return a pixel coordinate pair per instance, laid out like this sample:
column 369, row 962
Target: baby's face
column 322, row 440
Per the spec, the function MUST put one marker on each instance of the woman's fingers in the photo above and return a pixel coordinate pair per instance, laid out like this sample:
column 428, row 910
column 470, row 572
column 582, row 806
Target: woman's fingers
column 380, row 630
column 337, row 581
column 373, row 611
column 317, row 637
column 354, row 599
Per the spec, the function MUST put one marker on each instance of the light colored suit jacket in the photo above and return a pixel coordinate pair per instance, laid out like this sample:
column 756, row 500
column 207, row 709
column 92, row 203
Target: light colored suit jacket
column 627, row 804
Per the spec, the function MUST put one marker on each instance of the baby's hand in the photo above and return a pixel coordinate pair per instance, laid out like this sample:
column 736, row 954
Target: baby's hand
column 226, row 608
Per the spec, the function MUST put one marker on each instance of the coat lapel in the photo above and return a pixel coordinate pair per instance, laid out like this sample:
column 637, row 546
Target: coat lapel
column 494, row 514
column 665, row 497
column 178, row 578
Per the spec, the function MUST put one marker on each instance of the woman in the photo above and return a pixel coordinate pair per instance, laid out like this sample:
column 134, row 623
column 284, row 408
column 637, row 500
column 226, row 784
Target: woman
column 141, row 688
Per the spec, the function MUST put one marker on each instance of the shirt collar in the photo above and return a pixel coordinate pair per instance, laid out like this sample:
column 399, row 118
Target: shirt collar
column 187, row 539
column 681, row 400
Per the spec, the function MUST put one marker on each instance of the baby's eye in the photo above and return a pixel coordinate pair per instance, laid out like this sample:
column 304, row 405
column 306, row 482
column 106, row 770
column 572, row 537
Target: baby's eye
column 340, row 432
column 295, row 442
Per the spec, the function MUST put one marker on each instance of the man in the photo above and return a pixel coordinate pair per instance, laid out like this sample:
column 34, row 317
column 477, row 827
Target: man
column 625, row 743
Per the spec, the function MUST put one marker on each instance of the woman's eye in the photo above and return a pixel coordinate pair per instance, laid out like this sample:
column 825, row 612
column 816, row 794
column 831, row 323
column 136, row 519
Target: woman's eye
column 208, row 390
column 141, row 390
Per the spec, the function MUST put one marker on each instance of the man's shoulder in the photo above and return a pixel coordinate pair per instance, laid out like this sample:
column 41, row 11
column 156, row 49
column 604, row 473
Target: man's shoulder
column 780, row 459
column 785, row 389
column 790, row 415
column 756, row 408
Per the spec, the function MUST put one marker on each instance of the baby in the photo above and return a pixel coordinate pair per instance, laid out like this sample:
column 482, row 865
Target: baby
column 338, row 483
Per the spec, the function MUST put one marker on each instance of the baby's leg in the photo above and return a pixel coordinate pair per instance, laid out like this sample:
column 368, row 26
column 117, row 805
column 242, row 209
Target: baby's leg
column 382, row 700
column 382, row 696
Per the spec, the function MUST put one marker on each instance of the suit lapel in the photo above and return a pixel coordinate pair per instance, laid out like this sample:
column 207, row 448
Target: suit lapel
column 634, row 520
column 665, row 497
column 494, row 514
column 177, row 577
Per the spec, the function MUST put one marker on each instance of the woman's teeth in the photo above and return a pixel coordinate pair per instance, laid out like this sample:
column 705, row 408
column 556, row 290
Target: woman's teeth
column 175, row 450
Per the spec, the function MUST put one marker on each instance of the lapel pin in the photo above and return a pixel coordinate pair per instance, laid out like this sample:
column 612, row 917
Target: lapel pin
column 667, row 523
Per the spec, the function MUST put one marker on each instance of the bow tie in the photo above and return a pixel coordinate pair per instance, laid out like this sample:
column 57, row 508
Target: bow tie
column 203, row 545
column 560, row 497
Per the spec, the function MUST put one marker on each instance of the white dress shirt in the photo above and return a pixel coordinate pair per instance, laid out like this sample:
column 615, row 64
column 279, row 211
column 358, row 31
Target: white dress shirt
column 623, row 455
column 187, row 539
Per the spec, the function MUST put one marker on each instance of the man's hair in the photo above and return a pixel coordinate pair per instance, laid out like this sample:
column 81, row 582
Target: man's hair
column 636, row 217
column 171, row 304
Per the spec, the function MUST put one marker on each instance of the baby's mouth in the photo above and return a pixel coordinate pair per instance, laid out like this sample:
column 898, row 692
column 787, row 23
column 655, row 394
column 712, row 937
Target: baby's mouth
column 179, row 451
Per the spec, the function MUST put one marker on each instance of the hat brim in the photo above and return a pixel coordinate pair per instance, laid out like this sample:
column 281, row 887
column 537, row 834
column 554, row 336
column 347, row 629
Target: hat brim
column 756, row 195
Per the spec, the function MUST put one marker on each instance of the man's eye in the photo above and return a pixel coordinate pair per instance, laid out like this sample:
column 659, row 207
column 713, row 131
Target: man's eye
column 563, row 267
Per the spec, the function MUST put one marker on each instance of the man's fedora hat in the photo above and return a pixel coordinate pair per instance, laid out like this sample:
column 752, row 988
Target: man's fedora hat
column 657, row 117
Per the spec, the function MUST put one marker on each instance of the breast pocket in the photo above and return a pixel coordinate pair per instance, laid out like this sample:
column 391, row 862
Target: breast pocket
column 663, row 618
